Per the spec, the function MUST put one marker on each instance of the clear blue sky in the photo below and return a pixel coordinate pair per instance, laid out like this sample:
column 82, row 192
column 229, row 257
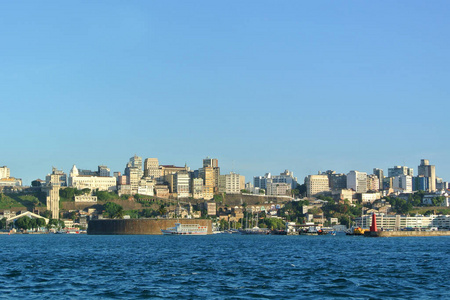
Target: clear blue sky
column 261, row 85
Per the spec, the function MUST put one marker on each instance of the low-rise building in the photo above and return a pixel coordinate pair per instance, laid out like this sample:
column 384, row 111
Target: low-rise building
column 86, row 199
column 162, row 191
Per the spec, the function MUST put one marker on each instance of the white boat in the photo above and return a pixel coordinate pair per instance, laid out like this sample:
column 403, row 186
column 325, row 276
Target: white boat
column 186, row 229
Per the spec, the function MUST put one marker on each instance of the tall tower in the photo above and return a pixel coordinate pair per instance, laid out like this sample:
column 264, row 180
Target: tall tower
column 427, row 170
column 52, row 190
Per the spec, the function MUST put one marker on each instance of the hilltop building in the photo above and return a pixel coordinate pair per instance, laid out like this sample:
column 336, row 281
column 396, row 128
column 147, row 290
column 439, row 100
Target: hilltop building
column 231, row 183
column 92, row 182
column 6, row 180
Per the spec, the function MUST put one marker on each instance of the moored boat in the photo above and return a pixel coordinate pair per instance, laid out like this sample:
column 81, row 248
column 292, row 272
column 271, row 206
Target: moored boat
column 186, row 229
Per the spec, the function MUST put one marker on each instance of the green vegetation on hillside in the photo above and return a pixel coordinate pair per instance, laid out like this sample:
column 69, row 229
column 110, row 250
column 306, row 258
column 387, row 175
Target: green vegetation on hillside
column 113, row 210
column 30, row 201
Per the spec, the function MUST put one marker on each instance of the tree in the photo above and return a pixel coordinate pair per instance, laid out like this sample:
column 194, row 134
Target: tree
column 301, row 189
column 113, row 210
column 223, row 224
column 162, row 210
column 40, row 222
column 3, row 223
column 73, row 215
column 274, row 223
column 23, row 223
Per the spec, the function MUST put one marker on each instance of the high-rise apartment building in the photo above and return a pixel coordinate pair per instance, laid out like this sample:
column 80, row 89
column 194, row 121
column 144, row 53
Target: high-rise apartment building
column 104, row 171
column 427, row 170
column 286, row 177
column 380, row 175
column 197, row 188
column 4, row 172
column 136, row 162
column 181, row 184
column 261, row 181
column 230, row 183
column 316, row 184
column 214, row 164
column 373, row 183
column 357, row 181
column 403, row 184
column 209, row 180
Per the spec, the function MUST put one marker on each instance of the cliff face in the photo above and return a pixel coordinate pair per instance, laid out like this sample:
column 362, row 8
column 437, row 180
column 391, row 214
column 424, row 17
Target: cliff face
column 139, row 226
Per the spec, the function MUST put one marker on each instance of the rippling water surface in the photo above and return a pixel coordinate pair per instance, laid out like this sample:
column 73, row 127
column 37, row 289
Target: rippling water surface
column 223, row 266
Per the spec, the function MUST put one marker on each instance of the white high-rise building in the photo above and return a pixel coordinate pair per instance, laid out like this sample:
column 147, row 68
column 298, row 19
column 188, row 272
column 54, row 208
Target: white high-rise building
column 402, row 184
column 357, row 181
column 230, row 183
column 4, row 172
column 181, row 184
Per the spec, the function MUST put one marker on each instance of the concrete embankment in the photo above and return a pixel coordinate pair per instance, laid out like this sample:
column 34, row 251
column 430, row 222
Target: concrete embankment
column 139, row 226
column 406, row 233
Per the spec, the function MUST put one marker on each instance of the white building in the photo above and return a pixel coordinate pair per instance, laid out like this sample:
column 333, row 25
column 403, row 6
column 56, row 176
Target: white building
column 181, row 184
column 91, row 182
column 370, row 197
column 86, row 199
column 230, row 183
column 197, row 188
column 278, row 189
column 357, row 181
column 397, row 222
column 4, row 172
column 286, row 177
column 402, row 184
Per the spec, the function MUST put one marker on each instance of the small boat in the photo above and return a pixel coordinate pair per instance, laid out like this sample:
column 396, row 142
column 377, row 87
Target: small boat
column 186, row 229
column 254, row 230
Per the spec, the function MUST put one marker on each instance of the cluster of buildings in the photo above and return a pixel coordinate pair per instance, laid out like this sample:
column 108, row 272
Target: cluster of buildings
column 371, row 187
column 6, row 181
column 273, row 185
column 146, row 177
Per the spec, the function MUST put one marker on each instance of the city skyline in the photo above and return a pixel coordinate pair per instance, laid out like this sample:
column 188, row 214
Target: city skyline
column 223, row 170
column 262, row 86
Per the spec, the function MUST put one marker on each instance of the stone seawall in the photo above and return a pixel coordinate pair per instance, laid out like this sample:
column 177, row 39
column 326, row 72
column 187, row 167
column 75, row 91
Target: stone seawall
column 139, row 226
column 406, row 233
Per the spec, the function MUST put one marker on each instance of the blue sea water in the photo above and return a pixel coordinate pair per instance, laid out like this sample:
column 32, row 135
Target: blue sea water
column 223, row 267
